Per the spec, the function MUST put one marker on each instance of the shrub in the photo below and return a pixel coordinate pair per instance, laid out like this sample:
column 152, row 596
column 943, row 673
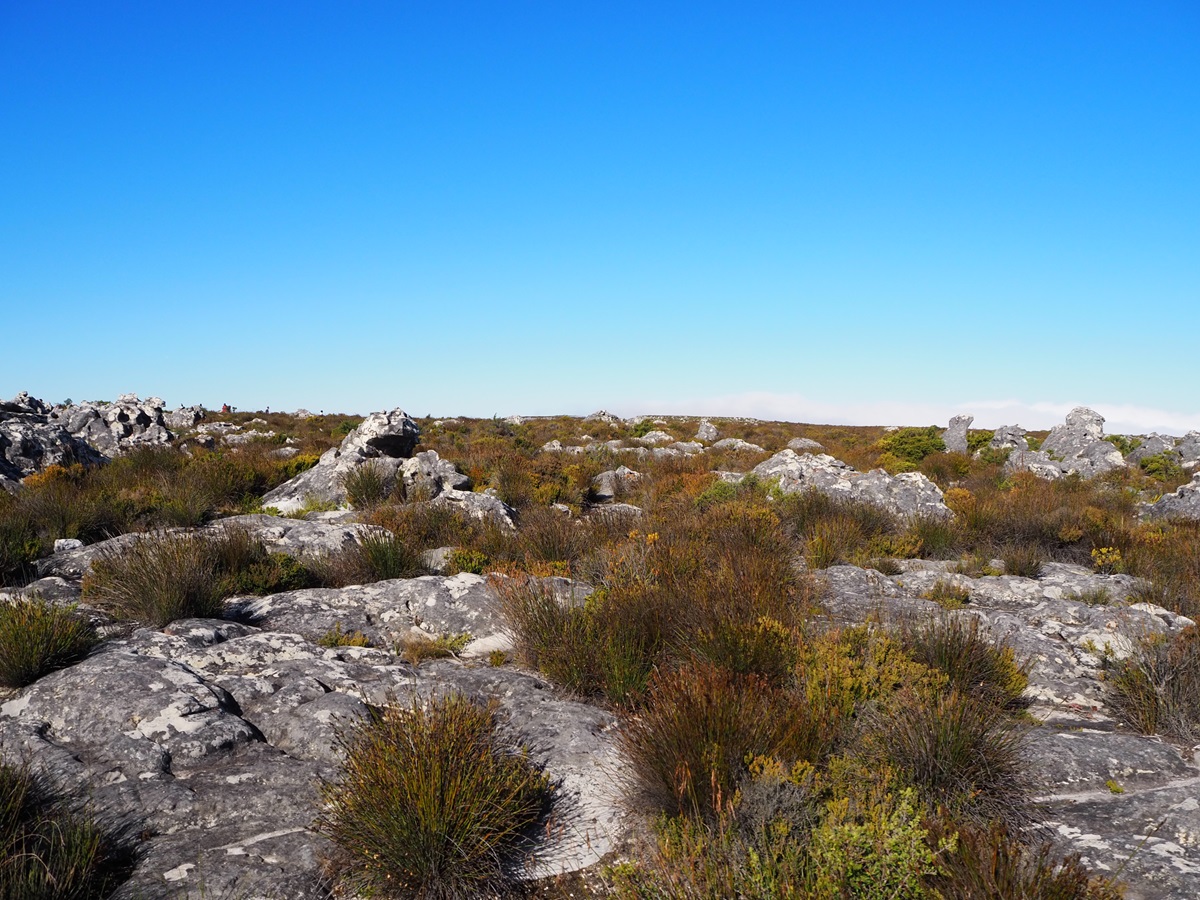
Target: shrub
column 974, row 664
column 961, row 753
column 908, row 446
column 430, row 802
column 978, row 438
column 130, row 582
column 51, row 851
column 764, row 648
column 547, row 535
column 19, row 547
column 37, row 637
column 461, row 559
column 415, row 649
column 873, row 847
column 1157, row 688
column 1163, row 466
column 689, row 746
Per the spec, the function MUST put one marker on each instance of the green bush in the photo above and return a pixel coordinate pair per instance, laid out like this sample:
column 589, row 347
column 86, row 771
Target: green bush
column 37, row 637
column 909, row 446
column 375, row 556
column 50, row 850
column 691, row 744
column 19, row 547
column 872, row 847
column 1023, row 559
column 978, row 438
column 1163, row 466
column 430, row 802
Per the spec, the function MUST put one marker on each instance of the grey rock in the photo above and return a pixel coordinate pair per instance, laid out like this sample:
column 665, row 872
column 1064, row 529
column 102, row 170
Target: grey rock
column 1189, row 449
column 111, row 428
column 1009, row 437
column 656, row 437
column 602, row 415
column 607, row 486
column 426, row 475
column 907, row 494
column 1152, row 445
column 955, row 437
column 483, row 507
column 707, row 432
column 737, row 444
column 804, row 445
column 63, row 544
column 689, row 448
column 30, row 441
column 383, row 439
column 1078, row 446
column 213, row 737
column 1184, row 502
column 183, row 418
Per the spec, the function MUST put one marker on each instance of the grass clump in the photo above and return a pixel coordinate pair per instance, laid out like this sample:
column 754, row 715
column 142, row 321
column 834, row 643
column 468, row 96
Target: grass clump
column 50, row 850
column 962, row 753
column 415, row 649
column 38, row 637
column 367, row 485
column 336, row 637
column 375, row 556
column 1156, row 689
column 955, row 646
column 158, row 578
column 431, row 803
column 948, row 595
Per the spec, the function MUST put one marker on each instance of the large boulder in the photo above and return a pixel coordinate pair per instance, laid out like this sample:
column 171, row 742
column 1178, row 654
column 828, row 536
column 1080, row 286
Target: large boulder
column 1183, row 503
column 383, row 439
column 908, row 494
column 707, row 431
column 955, row 437
column 1009, row 437
column 1076, row 447
column 30, row 441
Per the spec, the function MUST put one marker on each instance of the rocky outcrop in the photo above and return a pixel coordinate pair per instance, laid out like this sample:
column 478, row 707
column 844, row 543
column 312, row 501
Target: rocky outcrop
column 955, row 437
column 385, row 439
column 908, row 494
column 1189, row 449
column 707, row 432
column 1183, row 503
column 29, row 442
column 113, row 427
column 1076, row 447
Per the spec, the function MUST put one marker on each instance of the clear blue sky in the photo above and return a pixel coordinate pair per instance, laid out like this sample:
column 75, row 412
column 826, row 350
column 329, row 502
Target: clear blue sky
column 834, row 212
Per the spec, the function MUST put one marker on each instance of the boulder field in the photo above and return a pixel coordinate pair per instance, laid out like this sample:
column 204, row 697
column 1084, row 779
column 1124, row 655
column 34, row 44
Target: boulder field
column 210, row 737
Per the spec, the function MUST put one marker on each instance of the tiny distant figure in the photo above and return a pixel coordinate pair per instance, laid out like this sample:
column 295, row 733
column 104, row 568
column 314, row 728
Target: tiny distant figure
column 225, row 408
column 268, row 410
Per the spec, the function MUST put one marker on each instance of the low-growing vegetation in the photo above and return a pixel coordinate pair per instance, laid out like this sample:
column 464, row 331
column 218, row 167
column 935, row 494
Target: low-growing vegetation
column 51, row 850
column 431, row 802
column 37, row 637
column 777, row 754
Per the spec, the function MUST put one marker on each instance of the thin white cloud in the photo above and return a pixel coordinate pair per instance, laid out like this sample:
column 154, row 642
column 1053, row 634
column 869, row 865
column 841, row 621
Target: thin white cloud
column 1120, row 418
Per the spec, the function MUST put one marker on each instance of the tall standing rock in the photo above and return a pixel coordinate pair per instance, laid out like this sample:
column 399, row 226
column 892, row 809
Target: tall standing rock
column 955, row 437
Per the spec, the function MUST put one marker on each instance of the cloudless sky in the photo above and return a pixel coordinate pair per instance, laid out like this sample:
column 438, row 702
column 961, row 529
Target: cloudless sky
column 858, row 212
